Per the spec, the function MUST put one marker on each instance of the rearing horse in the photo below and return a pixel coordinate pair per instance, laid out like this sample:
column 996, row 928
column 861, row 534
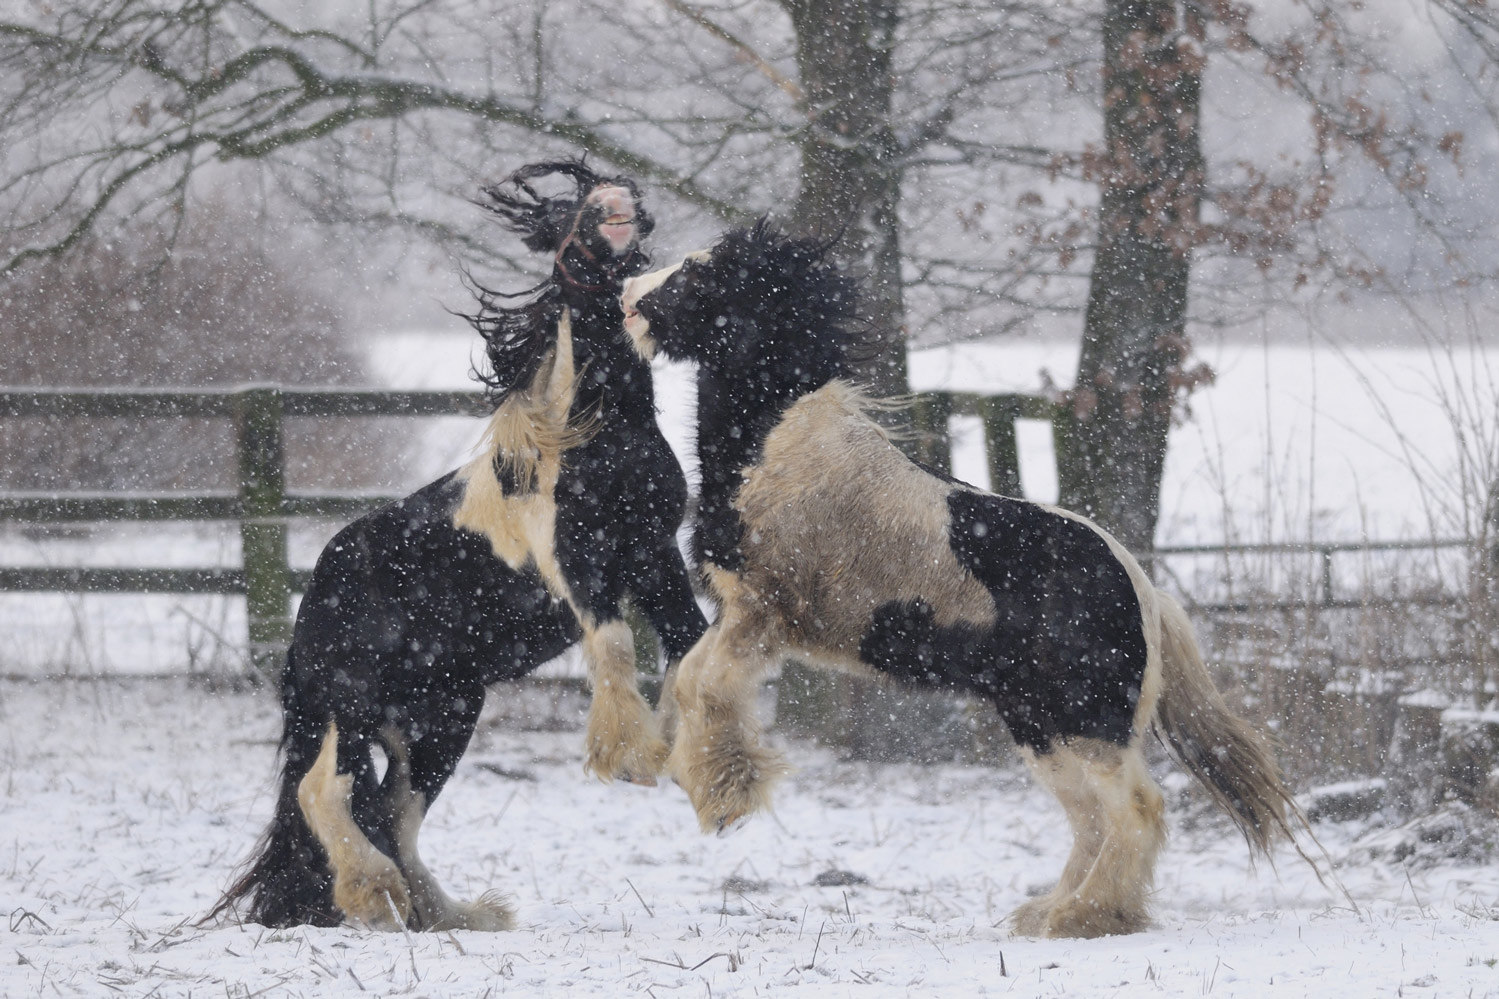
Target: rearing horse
column 817, row 538
column 481, row 576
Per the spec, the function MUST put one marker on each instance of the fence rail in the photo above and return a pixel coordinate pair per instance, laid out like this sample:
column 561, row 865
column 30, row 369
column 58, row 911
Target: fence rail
column 262, row 505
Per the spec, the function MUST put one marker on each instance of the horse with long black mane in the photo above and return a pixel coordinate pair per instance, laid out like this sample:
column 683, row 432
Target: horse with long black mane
column 819, row 539
column 480, row 577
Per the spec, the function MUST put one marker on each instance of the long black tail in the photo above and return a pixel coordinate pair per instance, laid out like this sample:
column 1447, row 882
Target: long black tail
column 286, row 881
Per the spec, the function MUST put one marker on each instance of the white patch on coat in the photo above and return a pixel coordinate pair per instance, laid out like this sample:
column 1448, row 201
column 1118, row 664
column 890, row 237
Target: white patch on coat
column 637, row 288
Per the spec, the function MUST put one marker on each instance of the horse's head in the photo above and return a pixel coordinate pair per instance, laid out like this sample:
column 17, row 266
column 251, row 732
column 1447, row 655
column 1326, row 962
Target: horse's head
column 593, row 230
column 755, row 290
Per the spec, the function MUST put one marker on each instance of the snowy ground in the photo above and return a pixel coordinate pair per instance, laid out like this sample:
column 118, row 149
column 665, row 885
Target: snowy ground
column 127, row 803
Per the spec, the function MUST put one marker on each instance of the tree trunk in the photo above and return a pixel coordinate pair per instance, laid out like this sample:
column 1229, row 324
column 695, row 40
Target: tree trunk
column 850, row 185
column 850, row 175
column 1111, row 437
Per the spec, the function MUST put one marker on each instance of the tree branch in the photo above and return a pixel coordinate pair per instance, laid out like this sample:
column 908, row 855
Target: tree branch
column 787, row 85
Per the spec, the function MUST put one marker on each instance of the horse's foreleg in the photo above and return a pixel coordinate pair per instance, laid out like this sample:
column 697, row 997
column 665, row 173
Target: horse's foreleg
column 624, row 741
column 666, row 703
column 661, row 591
column 716, row 756
column 367, row 885
column 658, row 583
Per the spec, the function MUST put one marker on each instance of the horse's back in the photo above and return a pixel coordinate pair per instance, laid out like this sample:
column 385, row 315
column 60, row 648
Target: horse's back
column 859, row 551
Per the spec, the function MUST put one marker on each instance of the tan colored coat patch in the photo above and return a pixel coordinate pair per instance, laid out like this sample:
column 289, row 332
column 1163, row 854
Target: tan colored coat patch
column 528, row 432
column 837, row 522
column 367, row 885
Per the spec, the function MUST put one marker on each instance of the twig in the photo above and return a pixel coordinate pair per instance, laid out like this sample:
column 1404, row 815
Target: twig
column 817, row 946
column 20, row 916
column 678, row 963
column 648, row 911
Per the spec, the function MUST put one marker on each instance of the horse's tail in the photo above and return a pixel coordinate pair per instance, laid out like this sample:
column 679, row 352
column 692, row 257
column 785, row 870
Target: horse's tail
column 286, row 881
column 1226, row 755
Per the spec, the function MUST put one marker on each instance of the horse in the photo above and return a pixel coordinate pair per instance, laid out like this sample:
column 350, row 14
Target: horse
column 572, row 503
column 818, row 538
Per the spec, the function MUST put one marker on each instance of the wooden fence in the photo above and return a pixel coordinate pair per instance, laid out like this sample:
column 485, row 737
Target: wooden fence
column 262, row 505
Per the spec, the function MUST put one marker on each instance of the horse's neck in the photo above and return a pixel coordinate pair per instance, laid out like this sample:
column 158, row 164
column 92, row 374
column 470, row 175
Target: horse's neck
column 737, row 410
column 612, row 381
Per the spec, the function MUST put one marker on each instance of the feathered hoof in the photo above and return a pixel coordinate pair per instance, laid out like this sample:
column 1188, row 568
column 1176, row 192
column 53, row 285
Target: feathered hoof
column 728, row 825
column 1030, row 919
column 726, row 783
column 377, row 896
column 635, row 763
column 1074, row 917
column 492, row 912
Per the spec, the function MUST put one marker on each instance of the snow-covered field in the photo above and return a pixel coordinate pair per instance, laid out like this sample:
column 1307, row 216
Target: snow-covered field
column 126, row 804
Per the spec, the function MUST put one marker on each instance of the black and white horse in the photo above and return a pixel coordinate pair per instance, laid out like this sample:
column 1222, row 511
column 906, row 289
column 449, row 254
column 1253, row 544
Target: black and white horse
column 573, row 503
column 819, row 539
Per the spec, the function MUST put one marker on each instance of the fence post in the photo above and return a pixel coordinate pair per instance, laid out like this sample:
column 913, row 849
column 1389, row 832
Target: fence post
column 262, row 528
column 999, row 413
column 929, row 413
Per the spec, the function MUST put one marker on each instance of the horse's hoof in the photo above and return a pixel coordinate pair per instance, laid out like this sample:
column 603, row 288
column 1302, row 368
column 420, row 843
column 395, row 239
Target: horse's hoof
column 641, row 780
column 377, row 897
column 1073, row 917
column 1076, row 917
column 637, row 764
column 1030, row 920
column 727, row 825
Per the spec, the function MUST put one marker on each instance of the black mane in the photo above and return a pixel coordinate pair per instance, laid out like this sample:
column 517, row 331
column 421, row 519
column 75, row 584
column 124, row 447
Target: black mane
column 788, row 311
column 542, row 222
column 771, row 319
column 518, row 336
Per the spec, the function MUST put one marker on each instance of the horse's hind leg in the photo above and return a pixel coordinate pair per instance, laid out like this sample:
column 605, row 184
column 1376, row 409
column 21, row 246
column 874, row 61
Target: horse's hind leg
column 1117, row 816
column 367, row 885
column 623, row 741
column 417, row 772
column 1062, row 773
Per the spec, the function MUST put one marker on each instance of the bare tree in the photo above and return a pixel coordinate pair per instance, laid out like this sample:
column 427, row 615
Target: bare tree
column 957, row 145
column 1112, row 430
column 228, row 302
column 118, row 104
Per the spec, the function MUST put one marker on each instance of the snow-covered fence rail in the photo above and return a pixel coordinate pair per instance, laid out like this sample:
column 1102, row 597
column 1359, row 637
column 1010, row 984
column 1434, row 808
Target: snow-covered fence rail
column 998, row 413
column 1328, row 590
